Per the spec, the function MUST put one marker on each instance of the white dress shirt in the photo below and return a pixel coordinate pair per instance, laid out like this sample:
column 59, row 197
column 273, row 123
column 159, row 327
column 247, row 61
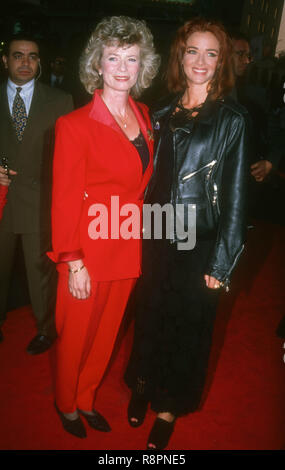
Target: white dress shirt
column 54, row 79
column 26, row 94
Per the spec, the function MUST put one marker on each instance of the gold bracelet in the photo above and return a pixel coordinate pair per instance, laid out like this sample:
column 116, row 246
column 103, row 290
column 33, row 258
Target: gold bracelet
column 74, row 271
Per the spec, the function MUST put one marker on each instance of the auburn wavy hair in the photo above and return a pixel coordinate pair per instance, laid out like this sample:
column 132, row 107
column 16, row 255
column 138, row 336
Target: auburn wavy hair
column 223, row 80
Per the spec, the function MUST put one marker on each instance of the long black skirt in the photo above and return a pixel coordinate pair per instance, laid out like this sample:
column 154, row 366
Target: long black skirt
column 174, row 319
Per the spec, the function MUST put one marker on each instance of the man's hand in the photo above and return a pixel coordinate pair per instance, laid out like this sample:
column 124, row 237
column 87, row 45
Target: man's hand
column 260, row 170
column 4, row 176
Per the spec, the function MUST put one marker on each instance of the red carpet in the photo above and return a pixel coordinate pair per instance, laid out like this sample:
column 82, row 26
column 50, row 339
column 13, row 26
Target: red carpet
column 244, row 403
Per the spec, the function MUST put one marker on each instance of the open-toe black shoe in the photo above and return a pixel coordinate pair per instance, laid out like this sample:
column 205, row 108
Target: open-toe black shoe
column 137, row 409
column 160, row 434
column 74, row 427
column 96, row 421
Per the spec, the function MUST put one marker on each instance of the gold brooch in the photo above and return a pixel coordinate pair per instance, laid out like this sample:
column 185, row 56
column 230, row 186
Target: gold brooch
column 150, row 134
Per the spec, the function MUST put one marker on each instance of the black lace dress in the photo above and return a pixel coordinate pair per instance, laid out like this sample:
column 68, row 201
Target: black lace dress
column 174, row 314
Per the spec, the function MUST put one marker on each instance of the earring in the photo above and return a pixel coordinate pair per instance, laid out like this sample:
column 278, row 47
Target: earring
column 40, row 70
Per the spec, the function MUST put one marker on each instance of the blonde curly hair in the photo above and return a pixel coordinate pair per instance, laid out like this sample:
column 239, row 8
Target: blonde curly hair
column 119, row 31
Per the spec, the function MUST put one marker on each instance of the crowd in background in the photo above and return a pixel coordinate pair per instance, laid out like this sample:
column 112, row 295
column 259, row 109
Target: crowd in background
column 38, row 93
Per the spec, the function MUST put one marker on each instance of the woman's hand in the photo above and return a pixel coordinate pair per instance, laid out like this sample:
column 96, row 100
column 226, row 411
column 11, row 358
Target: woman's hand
column 79, row 280
column 212, row 282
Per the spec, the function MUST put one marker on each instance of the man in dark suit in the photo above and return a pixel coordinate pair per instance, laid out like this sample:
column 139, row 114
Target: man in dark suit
column 58, row 77
column 28, row 112
column 261, row 164
column 62, row 75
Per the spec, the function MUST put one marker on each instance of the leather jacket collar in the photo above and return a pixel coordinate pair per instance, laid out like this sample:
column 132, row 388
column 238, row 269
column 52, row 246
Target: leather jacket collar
column 206, row 114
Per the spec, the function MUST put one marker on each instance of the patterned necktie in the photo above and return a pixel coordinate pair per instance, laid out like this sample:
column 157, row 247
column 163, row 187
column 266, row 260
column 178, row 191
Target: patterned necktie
column 19, row 115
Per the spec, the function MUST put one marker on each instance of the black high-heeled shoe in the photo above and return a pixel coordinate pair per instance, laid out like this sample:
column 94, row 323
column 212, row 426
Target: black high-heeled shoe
column 137, row 409
column 74, row 427
column 160, row 434
column 96, row 421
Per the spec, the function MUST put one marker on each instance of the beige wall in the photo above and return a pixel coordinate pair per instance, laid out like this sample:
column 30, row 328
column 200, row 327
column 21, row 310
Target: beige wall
column 262, row 17
column 281, row 38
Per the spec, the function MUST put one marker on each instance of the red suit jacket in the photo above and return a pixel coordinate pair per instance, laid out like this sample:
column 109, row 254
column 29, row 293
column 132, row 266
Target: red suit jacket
column 94, row 161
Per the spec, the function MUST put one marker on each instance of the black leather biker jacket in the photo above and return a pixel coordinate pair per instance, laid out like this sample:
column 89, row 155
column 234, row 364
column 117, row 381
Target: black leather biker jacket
column 211, row 171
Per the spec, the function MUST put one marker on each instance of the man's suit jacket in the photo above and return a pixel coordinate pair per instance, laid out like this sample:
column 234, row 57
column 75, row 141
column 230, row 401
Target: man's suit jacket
column 64, row 85
column 27, row 207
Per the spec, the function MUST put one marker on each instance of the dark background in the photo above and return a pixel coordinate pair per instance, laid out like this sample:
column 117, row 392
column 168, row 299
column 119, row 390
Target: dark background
column 65, row 25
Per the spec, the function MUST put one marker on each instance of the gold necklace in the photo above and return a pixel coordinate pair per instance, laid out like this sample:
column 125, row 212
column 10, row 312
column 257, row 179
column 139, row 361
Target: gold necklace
column 123, row 121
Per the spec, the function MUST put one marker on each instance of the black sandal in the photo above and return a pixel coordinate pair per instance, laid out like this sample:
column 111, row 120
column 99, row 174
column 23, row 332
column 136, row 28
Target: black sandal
column 137, row 409
column 160, row 434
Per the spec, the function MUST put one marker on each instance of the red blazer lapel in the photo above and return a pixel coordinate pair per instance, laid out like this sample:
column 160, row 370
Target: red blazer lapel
column 142, row 116
column 101, row 113
column 144, row 122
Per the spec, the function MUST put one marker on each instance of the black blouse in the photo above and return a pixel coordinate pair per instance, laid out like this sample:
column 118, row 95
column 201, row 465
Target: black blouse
column 142, row 148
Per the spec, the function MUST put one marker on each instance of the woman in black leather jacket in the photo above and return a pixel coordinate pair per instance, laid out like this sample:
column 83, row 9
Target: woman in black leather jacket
column 201, row 164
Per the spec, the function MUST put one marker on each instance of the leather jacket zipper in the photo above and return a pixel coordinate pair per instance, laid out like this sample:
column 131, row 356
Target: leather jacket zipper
column 215, row 196
column 209, row 165
column 173, row 192
column 226, row 282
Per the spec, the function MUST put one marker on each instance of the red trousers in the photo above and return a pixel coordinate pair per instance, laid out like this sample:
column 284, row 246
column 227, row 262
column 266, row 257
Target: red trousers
column 87, row 330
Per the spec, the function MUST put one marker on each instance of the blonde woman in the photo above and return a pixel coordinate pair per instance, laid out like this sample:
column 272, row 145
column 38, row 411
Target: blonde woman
column 103, row 150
